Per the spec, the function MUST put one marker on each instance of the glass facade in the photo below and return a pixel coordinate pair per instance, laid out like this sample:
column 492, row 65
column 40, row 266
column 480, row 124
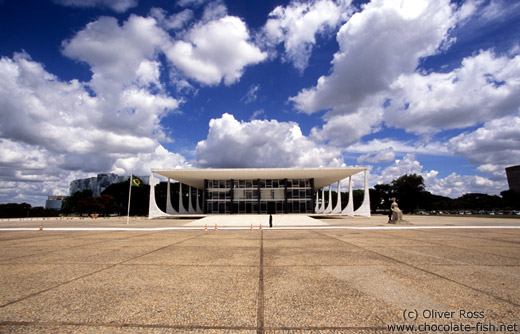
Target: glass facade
column 259, row 196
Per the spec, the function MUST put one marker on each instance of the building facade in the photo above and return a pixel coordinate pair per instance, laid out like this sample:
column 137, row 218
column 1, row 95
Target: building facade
column 54, row 202
column 258, row 196
column 513, row 177
column 99, row 183
column 259, row 191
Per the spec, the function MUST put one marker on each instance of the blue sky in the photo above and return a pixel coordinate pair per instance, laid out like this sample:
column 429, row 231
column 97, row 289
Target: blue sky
column 124, row 86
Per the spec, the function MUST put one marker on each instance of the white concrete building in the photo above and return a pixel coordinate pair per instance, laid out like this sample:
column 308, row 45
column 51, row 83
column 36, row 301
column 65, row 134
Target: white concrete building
column 260, row 191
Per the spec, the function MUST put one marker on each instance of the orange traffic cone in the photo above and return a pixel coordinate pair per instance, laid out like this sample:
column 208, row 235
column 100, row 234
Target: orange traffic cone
column 216, row 228
column 260, row 227
column 41, row 226
column 206, row 228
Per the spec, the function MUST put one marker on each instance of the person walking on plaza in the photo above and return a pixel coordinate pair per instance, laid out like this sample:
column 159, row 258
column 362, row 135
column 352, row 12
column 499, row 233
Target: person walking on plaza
column 270, row 220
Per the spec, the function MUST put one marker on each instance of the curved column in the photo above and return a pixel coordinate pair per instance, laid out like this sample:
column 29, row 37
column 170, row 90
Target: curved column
column 337, row 209
column 182, row 210
column 317, row 206
column 190, row 204
column 322, row 206
column 349, row 209
column 169, row 208
column 364, row 209
column 153, row 209
column 329, row 205
column 197, row 205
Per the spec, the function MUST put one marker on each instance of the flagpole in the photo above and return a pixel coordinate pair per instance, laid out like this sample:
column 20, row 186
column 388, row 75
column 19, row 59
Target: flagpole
column 129, row 196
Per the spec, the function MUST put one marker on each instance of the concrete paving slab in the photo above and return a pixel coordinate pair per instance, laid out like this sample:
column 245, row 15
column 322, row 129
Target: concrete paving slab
column 513, row 252
column 85, row 255
column 21, row 280
column 501, row 281
column 201, row 296
column 444, row 255
column 12, row 252
column 311, row 297
column 202, row 256
column 322, row 256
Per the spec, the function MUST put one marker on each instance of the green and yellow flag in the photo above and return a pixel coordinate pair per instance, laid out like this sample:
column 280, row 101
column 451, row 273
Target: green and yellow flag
column 136, row 182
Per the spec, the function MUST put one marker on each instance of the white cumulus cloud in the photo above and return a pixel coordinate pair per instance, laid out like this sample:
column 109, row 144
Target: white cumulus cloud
column 493, row 146
column 298, row 24
column 215, row 51
column 377, row 44
column 119, row 6
column 385, row 155
column 483, row 88
column 453, row 185
column 261, row 143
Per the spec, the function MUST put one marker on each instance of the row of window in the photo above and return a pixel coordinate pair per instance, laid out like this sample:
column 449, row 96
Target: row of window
column 244, row 184
column 265, row 194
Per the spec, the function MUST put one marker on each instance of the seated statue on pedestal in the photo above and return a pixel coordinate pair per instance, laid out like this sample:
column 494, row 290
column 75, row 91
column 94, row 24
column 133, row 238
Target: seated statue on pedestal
column 397, row 214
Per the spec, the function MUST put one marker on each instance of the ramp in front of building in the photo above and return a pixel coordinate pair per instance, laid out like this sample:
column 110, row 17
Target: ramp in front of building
column 256, row 220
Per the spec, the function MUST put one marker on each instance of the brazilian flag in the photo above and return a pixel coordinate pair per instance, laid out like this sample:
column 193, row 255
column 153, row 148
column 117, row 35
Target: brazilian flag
column 136, row 182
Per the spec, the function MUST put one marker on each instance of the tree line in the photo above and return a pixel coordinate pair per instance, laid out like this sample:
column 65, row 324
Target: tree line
column 408, row 190
column 410, row 193
column 25, row 210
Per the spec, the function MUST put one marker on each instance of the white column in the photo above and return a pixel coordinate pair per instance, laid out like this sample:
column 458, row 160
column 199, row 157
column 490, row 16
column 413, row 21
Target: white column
column 322, row 206
column 329, row 205
column 317, row 206
column 153, row 209
column 169, row 208
column 182, row 210
column 349, row 209
column 197, row 205
column 190, row 204
column 337, row 209
column 364, row 209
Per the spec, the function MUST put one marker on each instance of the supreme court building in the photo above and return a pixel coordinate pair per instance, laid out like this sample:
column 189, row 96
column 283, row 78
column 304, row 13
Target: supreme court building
column 260, row 191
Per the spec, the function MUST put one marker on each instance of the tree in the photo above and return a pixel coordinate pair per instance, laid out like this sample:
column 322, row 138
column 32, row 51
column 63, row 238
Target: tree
column 105, row 204
column 139, row 200
column 511, row 199
column 14, row 210
column 408, row 190
column 380, row 197
column 79, row 202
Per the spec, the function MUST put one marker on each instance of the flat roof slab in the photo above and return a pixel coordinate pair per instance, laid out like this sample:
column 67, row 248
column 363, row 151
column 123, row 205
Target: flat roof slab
column 322, row 176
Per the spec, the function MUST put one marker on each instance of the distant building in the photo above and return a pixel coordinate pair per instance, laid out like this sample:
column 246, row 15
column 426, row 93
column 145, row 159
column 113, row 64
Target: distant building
column 99, row 183
column 513, row 177
column 54, row 202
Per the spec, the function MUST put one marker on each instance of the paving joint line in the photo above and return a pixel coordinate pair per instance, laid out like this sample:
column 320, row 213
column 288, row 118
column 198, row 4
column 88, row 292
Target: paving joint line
column 260, row 311
column 89, row 274
column 429, row 272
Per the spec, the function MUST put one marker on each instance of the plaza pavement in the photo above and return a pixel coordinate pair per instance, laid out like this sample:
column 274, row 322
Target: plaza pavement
column 348, row 276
